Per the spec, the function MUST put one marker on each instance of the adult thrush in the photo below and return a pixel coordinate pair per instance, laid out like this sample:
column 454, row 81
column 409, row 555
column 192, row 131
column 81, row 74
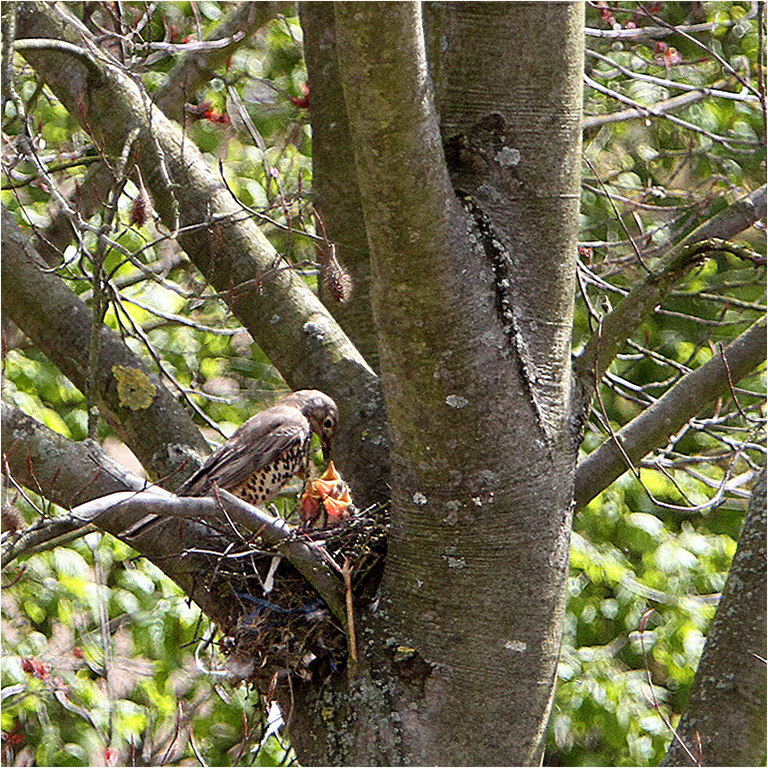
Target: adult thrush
column 264, row 453
column 268, row 450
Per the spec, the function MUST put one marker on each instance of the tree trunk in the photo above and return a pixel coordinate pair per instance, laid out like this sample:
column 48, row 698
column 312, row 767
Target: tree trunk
column 725, row 723
column 472, row 304
column 334, row 177
column 447, row 172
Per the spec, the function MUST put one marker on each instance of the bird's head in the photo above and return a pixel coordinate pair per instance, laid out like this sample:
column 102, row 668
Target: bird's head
column 321, row 413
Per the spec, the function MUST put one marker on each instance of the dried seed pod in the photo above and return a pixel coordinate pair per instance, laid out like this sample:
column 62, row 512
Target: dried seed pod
column 141, row 208
column 336, row 278
column 12, row 519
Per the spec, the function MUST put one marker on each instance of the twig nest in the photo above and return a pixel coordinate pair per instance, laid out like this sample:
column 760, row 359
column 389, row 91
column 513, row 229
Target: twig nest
column 281, row 628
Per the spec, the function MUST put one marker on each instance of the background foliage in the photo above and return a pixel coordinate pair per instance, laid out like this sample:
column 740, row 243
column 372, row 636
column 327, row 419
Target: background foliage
column 104, row 660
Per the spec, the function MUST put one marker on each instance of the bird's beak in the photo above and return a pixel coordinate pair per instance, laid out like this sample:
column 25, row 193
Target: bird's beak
column 325, row 442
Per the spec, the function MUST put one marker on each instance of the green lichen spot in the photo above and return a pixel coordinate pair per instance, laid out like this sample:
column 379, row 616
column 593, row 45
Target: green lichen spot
column 403, row 653
column 327, row 714
column 134, row 389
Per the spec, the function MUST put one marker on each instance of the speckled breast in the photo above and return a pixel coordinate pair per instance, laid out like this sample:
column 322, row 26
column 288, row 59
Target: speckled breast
column 265, row 483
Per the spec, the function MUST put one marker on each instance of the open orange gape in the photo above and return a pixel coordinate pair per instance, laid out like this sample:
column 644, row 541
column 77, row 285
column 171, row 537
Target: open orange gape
column 326, row 501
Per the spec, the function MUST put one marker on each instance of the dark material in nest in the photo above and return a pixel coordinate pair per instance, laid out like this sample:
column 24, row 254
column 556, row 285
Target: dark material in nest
column 289, row 629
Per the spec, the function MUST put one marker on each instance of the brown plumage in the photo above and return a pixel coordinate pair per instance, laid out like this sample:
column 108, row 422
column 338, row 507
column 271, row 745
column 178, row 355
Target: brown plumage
column 268, row 449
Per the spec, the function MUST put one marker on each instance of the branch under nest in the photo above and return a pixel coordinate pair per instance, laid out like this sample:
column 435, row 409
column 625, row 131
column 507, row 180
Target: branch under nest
column 282, row 627
column 292, row 612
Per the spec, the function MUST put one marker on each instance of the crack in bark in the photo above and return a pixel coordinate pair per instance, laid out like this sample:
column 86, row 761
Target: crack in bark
column 501, row 264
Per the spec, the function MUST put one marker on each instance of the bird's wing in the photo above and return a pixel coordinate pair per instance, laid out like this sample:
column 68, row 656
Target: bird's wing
column 256, row 444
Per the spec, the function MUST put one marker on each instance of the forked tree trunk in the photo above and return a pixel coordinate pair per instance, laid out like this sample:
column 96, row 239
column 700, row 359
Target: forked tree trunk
column 472, row 300
column 453, row 194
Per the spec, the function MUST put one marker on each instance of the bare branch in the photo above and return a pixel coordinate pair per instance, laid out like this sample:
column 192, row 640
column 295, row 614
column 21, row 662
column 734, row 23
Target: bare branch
column 188, row 75
column 668, row 414
column 148, row 418
column 53, row 240
column 619, row 324
column 225, row 510
column 60, row 46
column 653, row 112
column 713, row 90
column 683, row 32
column 64, row 471
column 734, row 219
column 9, row 36
column 640, row 112
column 282, row 314
column 194, row 68
column 642, row 33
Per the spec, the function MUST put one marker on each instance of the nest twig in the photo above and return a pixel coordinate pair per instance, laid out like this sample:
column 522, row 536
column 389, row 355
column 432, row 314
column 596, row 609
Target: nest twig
column 282, row 627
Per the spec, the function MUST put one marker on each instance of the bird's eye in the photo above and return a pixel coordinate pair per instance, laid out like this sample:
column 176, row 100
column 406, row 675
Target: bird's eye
column 328, row 424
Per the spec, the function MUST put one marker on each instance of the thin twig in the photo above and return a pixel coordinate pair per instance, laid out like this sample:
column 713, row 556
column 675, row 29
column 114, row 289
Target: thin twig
column 713, row 90
column 652, row 692
column 619, row 217
column 715, row 55
column 346, row 572
column 726, row 141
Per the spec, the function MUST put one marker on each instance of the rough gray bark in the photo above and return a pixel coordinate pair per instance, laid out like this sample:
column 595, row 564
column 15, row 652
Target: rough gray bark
column 287, row 320
column 472, row 598
column 727, row 710
column 334, row 176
